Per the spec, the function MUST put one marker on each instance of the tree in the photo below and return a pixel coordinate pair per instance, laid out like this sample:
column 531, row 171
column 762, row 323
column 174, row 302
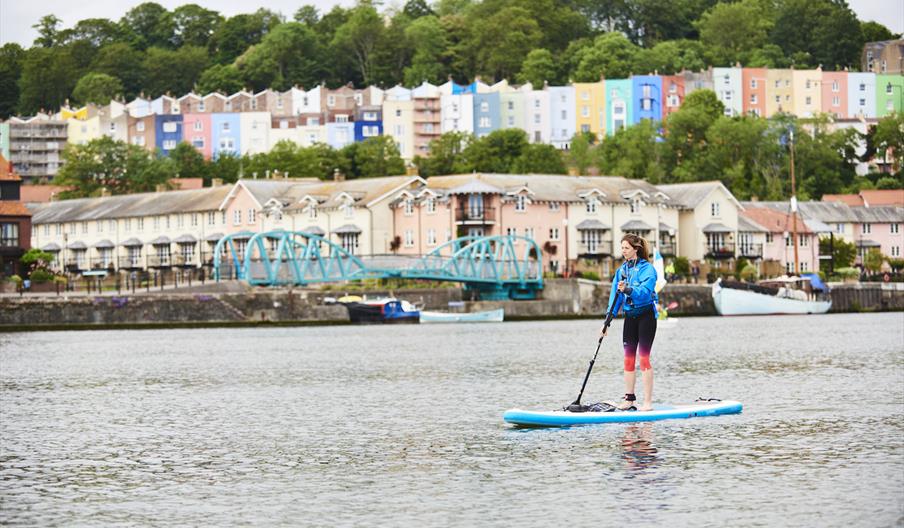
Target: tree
column 288, row 55
column 227, row 167
column 48, row 34
column 358, row 37
column 415, row 9
column 431, row 44
column 825, row 30
column 843, row 253
column 611, row 55
column 97, row 88
column 580, row 155
column 445, row 155
column 307, row 15
column 378, row 156
column 121, row 61
column 889, row 135
column 194, row 25
column 188, row 162
column 173, row 71
column 495, row 152
column 539, row 158
column 151, row 25
column 670, row 57
column 889, row 183
column 95, row 32
column 875, row 32
column 538, row 67
column 220, row 78
column 873, row 260
column 633, row 153
column 104, row 163
column 11, row 56
column 233, row 36
column 501, row 53
column 48, row 76
column 731, row 31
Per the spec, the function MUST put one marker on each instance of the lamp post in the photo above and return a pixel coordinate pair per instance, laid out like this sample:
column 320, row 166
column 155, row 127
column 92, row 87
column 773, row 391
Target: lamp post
column 565, row 226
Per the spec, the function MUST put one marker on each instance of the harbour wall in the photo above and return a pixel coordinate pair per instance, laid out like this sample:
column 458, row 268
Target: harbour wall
column 235, row 304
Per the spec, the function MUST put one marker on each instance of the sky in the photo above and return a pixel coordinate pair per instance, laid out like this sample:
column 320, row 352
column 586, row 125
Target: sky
column 17, row 16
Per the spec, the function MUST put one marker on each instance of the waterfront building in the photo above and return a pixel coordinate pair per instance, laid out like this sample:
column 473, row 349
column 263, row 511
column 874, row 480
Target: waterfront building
column 15, row 222
column 457, row 112
column 752, row 240
column 240, row 101
column 511, row 106
column 778, row 244
column 306, row 101
column 83, row 124
column 619, row 107
column 368, row 122
column 487, row 117
column 190, row 103
column 215, row 103
column 36, row 146
column 339, row 134
column 143, row 131
column 883, row 57
column 139, row 107
column 254, row 131
column 165, row 105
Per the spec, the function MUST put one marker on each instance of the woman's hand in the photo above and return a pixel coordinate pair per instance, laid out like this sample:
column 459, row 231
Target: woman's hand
column 604, row 331
column 621, row 286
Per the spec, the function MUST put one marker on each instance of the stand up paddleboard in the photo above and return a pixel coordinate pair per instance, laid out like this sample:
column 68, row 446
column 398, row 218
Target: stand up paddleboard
column 523, row 418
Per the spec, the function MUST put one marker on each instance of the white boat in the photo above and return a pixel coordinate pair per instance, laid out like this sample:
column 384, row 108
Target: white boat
column 737, row 298
column 489, row 316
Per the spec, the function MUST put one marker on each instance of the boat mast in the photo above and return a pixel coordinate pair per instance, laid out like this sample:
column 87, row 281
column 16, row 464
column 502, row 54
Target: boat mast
column 794, row 209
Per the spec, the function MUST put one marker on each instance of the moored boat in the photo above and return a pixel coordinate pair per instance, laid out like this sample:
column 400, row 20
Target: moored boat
column 389, row 310
column 489, row 316
column 785, row 295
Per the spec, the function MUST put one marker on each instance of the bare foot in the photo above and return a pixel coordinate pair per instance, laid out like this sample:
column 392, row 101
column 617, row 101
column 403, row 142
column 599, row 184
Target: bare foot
column 644, row 408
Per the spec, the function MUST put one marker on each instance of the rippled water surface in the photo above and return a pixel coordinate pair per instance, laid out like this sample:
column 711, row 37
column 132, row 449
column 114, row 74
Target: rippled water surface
column 402, row 426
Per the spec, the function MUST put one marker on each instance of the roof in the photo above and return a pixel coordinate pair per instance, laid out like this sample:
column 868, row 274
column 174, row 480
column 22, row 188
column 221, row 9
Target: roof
column 865, row 242
column 39, row 193
column 883, row 197
column 132, row 242
column 53, row 246
column 747, row 225
column 185, row 239
column 690, row 195
column 847, row 199
column 716, row 227
column 129, row 205
column 7, row 173
column 314, row 230
column 347, row 228
column 882, row 214
column 590, row 224
column 636, row 225
column 14, row 209
column 774, row 220
column 78, row 244
column 828, row 212
column 105, row 243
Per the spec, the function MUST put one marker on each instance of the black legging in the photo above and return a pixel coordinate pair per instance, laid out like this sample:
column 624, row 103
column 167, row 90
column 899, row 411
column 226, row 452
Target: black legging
column 639, row 333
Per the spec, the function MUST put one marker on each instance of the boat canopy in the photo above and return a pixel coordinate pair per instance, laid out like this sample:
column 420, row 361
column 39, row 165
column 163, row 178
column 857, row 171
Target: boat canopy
column 816, row 282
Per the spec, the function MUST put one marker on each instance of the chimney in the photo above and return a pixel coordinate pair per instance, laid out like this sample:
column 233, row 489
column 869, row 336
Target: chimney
column 216, row 182
column 338, row 176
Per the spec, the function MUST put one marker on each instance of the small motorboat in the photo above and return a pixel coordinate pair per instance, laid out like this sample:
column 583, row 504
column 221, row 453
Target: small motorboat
column 489, row 316
column 389, row 310
column 783, row 295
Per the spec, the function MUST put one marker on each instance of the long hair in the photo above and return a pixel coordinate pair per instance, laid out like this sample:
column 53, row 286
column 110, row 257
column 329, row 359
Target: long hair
column 641, row 245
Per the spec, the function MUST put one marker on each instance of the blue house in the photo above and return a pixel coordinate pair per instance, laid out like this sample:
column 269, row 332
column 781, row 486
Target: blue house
column 562, row 113
column 340, row 134
column 487, row 117
column 368, row 122
column 647, row 97
column 168, row 132
column 225, row 134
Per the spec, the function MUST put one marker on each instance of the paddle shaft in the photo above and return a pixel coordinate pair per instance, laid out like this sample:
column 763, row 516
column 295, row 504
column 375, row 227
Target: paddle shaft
column 592, row 361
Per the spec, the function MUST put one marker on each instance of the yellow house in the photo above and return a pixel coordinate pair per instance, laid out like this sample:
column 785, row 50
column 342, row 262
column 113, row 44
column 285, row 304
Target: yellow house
column 84, row 124
column 590, row 108
column 807, row 92
column 779, row 94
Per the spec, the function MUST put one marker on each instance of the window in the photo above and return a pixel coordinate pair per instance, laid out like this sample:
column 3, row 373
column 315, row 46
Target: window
column 536, row 103
column 313, row 121
column 169, row 126
column 778, row 99
column 896, row 251
column 330, row 100
column 714, row 209
column 511, row 105
column 341, row 118
column 788, row 241
column 197, row 142
column 431, row 237
column 484, row 106
column 194, row 219
column 511, row 121
column 536, row 119
column 808, row 84
column 409, row 207
column 198, row 125
column 753, row 99
column 585, row 111
column 84, row 227
column 156, row 223
column 753, row 83
column 834, row 86
column 862, row 87
column 809, row 100
column 236, row 217
column 553, row 206
column 169, row 144
column 521, row 203
column 777, row 83
column 553, row 233
column 511, row 231
column 863, row 102
column 46, row 229
column 564, row 114
column 646, row 104
column 428, row 128
column 228, row 106
column 866, row 228
column 673, row 101
column 894, row 229
column 839, row 228
column 529, row 232
column 349, row 212
column 227, row 144
column 9, row 235
column 484, row 122
column 635, row 206
column 211, row 218
column 141, row 224
column 768, row 238
column 409, row 238
column 312, row 212
column 252, row 216
column 888, row 88
column 591, row 206
column 225, row 126
column 398, row 112
column 430, row 204
column 836, row 101
column 139, row 126
column 59, row 229
column 804, row 240
column 200, row 106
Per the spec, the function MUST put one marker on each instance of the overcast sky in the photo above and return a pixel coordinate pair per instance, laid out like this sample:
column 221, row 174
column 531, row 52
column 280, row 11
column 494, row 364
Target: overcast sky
column 17, row 16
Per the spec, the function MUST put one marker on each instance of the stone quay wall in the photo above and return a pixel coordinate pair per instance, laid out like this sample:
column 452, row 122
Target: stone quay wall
column 241, row 305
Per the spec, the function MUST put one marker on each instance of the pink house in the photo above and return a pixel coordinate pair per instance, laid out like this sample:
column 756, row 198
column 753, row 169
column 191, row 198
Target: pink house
column 422, row 221
column 196, row 130
column 778, row 244
column 835, row 93
column 672, row 93
column 879, row 227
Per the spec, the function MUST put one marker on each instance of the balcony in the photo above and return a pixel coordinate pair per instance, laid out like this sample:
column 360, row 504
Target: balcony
column 134, row 262
column 600, row 249
column 482, row 215
column 750, row 250
column 667, row 249
column 184, row 261
column 102, row 263
column 726, row 250
column 160, row 261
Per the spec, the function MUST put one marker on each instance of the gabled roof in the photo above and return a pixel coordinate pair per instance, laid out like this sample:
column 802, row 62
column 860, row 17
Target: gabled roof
column 690, row 195
column 775, row 221
column 748, row 225
column 882, row 214
column 873, row 198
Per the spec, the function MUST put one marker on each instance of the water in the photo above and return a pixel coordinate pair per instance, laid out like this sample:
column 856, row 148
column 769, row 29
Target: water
column 401, row 426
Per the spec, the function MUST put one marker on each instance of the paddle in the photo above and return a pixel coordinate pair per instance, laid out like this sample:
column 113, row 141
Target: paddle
column 576, row 404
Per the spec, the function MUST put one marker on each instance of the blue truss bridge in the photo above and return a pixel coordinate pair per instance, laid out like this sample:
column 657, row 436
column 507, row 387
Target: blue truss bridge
column 498, row 267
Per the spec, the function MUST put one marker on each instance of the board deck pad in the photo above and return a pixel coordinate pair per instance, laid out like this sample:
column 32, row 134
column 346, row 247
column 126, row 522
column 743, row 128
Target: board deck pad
column 524, row 418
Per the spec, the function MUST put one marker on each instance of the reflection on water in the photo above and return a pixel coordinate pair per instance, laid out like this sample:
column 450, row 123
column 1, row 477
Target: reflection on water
column 348, row 426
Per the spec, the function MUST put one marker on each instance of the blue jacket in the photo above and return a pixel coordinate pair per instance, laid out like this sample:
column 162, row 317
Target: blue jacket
column 640, row 295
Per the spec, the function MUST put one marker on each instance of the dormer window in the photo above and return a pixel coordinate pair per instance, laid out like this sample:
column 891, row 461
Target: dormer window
column 521, row 203
column 431, row 205
column 591, row 205
column 312, row 211
column 714, row 209
column 349, row 212
column 636, row 204
column 409, row 207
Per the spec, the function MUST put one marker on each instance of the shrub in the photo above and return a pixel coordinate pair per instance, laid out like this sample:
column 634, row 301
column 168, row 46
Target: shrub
column 682, row 266
column 15, row 279
column 749, row 274
column 39, row 276
column 591, row 275
column 847, row 273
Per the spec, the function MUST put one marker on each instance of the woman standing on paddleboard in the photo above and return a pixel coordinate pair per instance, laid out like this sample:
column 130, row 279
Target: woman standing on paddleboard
column 634, row 289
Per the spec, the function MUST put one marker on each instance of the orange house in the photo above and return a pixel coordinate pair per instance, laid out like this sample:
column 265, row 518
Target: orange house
column 753, row 88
